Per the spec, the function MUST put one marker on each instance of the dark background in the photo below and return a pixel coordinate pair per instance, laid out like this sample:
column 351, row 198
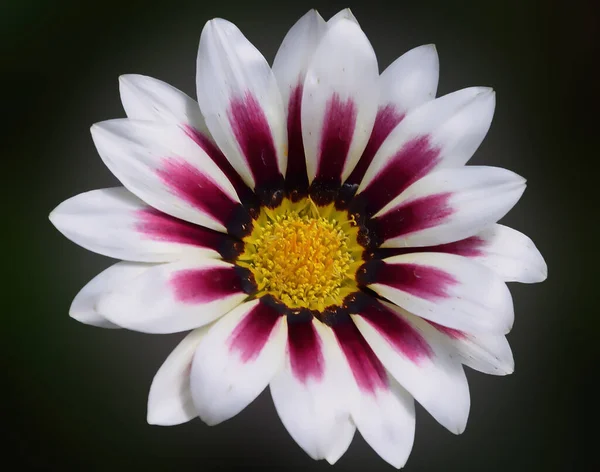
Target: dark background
column 76, row 395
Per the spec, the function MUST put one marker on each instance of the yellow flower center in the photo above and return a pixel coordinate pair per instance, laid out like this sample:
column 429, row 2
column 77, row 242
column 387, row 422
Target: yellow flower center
column 304, row 255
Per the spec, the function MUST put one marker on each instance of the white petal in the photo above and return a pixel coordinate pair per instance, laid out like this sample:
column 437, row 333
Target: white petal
column 236, row 361
column 410, row 80
column 175, row 297
column 309, row 393
column 386, row 420
column 162, row 165
column 83, row 307
column 342, row 443
column 170, row 398
column 240, row 100
column 510, row 254
column 146, row 98
column 448, row 205
column 381, row 409
column 443, row 132
column 418, row 358
column 490, row 354
column 447, row 289
column 116, row 223
column 339, row 102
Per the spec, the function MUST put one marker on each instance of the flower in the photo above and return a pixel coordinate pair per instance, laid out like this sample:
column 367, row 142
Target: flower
column 314, row 225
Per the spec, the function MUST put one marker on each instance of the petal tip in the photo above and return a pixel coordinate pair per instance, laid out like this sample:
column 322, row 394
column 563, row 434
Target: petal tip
column 152, row 418
column 217, row 24
column 428, row 48
column 52, row 216
column 543, row 271
column 127, row 78
column 97, row 128
column 155, row 418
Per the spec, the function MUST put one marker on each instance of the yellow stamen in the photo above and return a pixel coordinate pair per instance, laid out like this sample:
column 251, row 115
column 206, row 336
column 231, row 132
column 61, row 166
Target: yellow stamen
column 304, row 255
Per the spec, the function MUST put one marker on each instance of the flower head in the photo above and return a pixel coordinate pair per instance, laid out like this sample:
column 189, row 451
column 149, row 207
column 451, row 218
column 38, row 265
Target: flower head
column 314, row 225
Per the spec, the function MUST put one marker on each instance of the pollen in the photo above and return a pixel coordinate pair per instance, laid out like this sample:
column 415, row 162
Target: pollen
column 304, row 255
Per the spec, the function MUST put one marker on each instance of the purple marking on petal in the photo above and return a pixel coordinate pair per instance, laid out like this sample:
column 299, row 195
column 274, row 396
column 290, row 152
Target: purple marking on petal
column 220, row 160
column 338, row 129
column 196, row 188
column 252, row 333
column 296, row 176
column 306, row 355
column 205, row 285
column 415, row 159
column 386, row 120
column 469, row 247
column 159, row 226
column 405, row 339
column 253, row 134
column 429, row 283
column 450, row 332
column 368, row 371
column 413, row 215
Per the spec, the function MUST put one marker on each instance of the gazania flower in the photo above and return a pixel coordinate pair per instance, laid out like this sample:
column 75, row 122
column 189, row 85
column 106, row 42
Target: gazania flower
column 314, row 226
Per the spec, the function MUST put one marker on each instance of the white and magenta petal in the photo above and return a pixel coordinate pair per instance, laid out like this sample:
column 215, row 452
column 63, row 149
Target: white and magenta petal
column 447, row 289
column 115, row 223
column 381, row 409
column 289, row 67
column 490, row 354
column 443, row 132
column 236, row 360
column 241, row 103
column 176, row 297
column 309, row 393
column 162, row 165
column 145, row 98
column 417, row 357
column 407, row 83
column 509, row 253
column 447, row 205
column 83, row 307
column 339, row 103
column 170, row 398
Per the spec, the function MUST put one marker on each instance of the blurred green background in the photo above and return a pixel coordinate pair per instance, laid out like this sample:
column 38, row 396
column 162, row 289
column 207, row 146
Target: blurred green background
column 75, row 396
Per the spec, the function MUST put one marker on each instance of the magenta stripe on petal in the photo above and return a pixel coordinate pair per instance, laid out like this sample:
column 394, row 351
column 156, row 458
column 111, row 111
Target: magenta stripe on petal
column 415, row 159
column 469, row 247
column 159, row 226
column 450, row 332
column 191, row 185
column 338, row 129
column 205, row 285
column 386, row 120
column 369, row 373
column 429, row 283
column 253, row 133
column 252, row 333
column 221, row 161
column 296, row 177
column 397, row 331
column 306, row 356
column 413, row 215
